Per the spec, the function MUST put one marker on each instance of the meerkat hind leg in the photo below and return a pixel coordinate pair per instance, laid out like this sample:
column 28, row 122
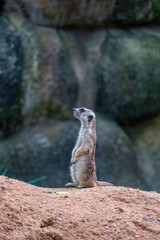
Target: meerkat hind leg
column 87, row 184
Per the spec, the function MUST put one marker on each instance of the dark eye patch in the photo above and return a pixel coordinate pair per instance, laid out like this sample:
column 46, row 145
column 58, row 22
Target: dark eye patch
column 81, row 110
column 90, row 117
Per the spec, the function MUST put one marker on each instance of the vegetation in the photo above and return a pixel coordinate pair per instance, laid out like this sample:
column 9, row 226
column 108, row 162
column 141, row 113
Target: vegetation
column 4, row 170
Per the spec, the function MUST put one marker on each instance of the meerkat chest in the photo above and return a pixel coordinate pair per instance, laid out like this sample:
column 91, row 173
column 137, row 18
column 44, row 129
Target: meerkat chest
column 85, row 138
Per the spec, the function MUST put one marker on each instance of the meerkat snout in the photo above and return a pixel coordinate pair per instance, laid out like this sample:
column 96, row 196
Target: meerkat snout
column 76, row 112
column 79, row 113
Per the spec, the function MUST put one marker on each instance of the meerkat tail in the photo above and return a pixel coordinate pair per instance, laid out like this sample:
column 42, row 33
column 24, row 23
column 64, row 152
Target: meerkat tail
column 101, row 183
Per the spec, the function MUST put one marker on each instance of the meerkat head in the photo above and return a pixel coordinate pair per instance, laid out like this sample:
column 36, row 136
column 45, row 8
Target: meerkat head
column 85, row 115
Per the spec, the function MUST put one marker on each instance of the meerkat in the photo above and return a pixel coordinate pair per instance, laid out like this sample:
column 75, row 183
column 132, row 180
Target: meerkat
column 82, row 165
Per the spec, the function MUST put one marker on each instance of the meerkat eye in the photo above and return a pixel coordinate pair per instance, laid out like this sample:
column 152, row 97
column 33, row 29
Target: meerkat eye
column 81, row 110
column 90, row 117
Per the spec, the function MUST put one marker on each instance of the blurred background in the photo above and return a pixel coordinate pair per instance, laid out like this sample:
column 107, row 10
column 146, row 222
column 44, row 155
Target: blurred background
column 104, row 55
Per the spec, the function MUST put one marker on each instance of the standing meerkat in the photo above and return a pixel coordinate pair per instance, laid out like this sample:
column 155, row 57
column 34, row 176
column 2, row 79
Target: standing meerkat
column 82, row 165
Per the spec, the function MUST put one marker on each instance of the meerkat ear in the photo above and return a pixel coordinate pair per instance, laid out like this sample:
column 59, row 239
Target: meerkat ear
column 90, row 117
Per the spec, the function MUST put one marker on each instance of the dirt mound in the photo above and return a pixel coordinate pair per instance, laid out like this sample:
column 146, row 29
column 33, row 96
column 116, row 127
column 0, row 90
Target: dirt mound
column 29, row 212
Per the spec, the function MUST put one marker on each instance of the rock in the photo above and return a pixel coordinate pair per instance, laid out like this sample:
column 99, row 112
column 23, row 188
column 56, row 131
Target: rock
column 45, row 150
column 86, row 13
column 127, row 89
column 146, row 136
column 85, row 221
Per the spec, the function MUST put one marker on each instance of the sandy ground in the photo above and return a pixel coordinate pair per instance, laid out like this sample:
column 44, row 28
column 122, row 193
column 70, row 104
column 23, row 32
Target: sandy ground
column 29, row 212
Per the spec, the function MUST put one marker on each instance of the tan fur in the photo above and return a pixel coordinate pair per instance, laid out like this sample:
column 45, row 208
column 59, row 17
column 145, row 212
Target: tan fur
column 83, row 168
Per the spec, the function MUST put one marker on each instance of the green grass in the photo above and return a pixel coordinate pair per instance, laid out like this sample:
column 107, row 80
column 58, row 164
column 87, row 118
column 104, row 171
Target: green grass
column 37, row 180
column 3, row 169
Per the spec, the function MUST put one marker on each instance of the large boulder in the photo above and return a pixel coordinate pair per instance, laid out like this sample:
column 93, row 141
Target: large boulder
column 45, row 150
column 86, row 13
column 37, row 76
column 127, row 73
column 51, row 87
column 145, row 136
